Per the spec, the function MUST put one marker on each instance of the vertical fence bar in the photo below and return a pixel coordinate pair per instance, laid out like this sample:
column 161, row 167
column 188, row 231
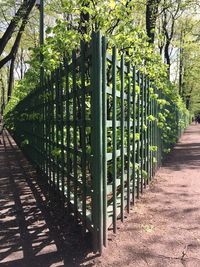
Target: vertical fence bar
column 68, row 172
column 83, row 133
column 40, row 141
column 74, row 91
column 114, row 160
column 122, row 136
column 44, row 133
column 104, row 128
column 148, row 133
column 62, row 138
column 49, row 129
column 45, row 137
column 59, row 123
column 97, row 139
column 145, row 132
column 53, row 128
column 155, row 134
column 57, row 132
column 152, row 136
column 46, row 128
column 156, row 131
column 138, row 141
column 159, row 132
column 128, row 138
column 134, row 132
column 142, row 135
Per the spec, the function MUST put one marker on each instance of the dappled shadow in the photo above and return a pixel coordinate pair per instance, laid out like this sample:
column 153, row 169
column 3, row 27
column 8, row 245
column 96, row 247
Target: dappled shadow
column 34, row 229
column 185, row 154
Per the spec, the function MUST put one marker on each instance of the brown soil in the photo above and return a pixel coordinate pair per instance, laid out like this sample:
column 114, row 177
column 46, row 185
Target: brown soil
column 162, row 229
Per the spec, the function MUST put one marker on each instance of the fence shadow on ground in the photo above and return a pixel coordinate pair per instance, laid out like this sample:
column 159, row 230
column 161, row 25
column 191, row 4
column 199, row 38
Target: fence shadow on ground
column 34, row 231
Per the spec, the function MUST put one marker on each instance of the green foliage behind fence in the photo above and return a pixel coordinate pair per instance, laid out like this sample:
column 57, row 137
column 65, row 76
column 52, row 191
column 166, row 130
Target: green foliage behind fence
column 98, row 130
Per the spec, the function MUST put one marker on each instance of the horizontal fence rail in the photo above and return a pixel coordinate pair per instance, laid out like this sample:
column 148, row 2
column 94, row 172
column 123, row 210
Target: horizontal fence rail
column 94, row 130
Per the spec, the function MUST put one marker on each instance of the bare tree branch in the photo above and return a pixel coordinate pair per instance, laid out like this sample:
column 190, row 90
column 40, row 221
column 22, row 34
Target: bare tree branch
column 22, row 12
column 15, row 46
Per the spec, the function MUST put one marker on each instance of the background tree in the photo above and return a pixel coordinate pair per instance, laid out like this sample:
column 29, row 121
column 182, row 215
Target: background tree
column 190, row 63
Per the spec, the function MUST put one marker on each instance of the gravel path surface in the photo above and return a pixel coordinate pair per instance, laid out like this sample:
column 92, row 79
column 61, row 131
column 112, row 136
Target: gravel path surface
column 162, row 230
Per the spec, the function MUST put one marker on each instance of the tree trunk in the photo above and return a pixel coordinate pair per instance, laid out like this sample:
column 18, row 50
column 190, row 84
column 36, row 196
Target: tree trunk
column 151, row 17
column 22, row 13
column 11, row 78
column 84, row 19
column 12, row 56
column 181, row 65
column 181, row 72
column 15, row 46
column 22, row 63
column 167, row 56
column 2, row 95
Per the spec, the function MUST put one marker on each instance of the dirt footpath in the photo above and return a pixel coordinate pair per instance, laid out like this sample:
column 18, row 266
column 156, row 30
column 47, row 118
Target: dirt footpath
column 164, row 228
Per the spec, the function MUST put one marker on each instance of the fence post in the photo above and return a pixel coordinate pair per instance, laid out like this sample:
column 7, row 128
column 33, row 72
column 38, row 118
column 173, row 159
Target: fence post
column 104, row 137
column 97, row 171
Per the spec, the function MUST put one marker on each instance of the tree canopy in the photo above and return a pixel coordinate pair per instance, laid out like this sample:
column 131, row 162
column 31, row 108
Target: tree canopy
column 161, row 37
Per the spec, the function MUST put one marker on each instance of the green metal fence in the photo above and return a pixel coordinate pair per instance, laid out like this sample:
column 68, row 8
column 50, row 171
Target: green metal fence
column 93, row 131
